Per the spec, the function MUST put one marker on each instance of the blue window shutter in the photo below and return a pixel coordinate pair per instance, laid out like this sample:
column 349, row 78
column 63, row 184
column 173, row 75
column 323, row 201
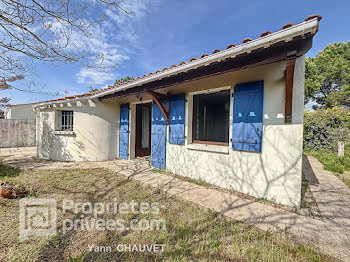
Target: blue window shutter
column 248, row 116
column 124, row 132
column 177, row 120
column 158, row 137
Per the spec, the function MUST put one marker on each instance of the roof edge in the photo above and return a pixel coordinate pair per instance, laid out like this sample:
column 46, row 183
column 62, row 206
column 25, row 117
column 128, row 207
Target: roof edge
column 310, row 25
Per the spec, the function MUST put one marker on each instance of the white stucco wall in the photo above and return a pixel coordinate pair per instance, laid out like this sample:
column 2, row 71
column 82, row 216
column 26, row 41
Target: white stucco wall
column 22, row 111
column 276, row 172
column 95, row 133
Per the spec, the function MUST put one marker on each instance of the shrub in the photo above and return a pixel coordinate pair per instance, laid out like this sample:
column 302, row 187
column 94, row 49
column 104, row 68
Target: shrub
column 325, row 127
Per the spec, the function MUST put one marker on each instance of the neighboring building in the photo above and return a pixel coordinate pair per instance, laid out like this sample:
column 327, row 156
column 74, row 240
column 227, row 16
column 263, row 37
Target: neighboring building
column 233, row 118
column 20, row 111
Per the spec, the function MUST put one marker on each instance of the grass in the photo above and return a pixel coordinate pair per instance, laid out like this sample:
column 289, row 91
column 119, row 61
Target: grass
column 340, row 166
column 309, row 205
column 192, row 232
column 7, row 171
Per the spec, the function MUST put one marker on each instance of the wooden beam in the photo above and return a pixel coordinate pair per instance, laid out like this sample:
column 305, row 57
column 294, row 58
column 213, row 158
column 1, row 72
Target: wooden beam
column 156, row 97
column 156, row 94
column 289, row 90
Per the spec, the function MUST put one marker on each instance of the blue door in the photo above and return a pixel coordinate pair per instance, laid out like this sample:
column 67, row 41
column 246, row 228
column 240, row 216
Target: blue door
column 124, row 132
column 247, row 116
column 177, row 120
column 158, row 137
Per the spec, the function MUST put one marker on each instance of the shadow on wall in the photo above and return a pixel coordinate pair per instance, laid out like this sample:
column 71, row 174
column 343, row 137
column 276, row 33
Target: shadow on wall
column 56, row 147
column 274, row 174
column 309, row 173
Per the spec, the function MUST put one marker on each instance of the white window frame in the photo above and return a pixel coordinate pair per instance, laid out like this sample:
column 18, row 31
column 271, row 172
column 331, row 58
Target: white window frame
column 66, row 120
column 207, row 92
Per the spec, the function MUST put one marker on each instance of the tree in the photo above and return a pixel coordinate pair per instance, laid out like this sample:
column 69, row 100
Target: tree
column 92, row 89
column 47, row 31
column 122, row 80
column 327, row 76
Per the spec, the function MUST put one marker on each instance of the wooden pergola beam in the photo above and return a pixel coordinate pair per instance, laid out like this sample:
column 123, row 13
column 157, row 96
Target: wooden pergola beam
column 289, row 90
column 156, row 98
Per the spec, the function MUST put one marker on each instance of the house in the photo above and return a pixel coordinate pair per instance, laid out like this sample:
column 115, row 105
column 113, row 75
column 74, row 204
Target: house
column 20, row 111
column 233, row 118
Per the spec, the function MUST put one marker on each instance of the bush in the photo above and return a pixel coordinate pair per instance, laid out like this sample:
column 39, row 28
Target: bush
column 325, row 127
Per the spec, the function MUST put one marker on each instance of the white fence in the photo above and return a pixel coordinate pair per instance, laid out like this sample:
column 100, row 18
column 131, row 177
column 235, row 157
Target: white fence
column 17, row 133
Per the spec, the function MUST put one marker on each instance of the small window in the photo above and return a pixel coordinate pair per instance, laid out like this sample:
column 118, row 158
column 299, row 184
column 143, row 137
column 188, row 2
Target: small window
column 211, row 118
column 66, row 120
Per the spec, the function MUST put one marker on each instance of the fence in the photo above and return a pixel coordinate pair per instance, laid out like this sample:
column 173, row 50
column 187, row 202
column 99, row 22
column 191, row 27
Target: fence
column 17, row 133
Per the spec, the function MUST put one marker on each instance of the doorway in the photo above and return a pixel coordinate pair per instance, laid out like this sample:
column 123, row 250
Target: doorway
column 143, row 129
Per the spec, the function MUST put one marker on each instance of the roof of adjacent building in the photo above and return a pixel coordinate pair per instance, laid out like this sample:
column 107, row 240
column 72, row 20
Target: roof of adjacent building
column 266, row 39
column 25, row 104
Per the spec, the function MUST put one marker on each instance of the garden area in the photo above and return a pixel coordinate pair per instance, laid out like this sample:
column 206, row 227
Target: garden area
column 323, row 129
column 192, row 232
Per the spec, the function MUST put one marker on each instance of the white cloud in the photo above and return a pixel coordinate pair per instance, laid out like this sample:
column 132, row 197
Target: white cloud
column 114, row 40
column 92, row 77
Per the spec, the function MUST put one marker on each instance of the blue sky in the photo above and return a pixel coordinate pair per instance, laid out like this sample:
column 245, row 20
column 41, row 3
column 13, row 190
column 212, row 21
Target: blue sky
column 165, row 32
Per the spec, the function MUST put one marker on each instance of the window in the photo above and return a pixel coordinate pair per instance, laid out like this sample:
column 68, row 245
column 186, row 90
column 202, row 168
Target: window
column 211, row 118
column 66, row 120
column 145, row 129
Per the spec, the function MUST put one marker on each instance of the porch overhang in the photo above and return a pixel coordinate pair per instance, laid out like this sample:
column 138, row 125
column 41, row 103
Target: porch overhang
column 265, row 55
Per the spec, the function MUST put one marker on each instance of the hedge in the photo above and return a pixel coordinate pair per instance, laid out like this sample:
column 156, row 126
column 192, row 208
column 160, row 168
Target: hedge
column 325, row 127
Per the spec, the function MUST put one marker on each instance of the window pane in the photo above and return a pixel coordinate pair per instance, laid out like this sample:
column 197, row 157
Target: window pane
column 212, row 116
column 145, row 127
column 67, row 120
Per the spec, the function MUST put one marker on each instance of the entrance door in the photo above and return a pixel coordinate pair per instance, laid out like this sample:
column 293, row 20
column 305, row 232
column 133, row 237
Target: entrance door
column 143, row 129
column 124, row 132
column 158, row 137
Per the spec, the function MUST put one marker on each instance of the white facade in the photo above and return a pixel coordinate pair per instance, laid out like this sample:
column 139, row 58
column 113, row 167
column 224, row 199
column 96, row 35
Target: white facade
column 94, row 137
column 275, row 173
column 20, row 111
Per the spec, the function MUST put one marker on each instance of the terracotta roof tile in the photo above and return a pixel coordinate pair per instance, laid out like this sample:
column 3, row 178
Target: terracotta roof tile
column 313, row 16
column 265, row 33
column 230, row 46
column 287, row 26
column 246, row 40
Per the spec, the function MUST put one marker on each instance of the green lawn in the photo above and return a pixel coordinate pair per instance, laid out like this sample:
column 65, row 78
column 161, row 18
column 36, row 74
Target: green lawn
column 340, row 166
column 192, row 232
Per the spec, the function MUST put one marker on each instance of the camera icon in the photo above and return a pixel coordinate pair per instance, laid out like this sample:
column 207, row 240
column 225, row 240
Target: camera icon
column 37, row 217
